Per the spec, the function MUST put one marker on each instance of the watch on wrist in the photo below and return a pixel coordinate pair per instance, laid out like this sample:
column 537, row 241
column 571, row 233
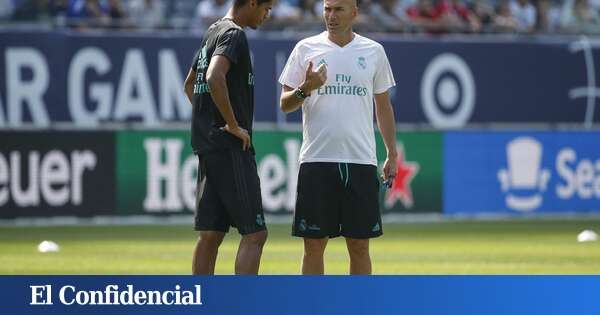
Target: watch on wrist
column 300, row 94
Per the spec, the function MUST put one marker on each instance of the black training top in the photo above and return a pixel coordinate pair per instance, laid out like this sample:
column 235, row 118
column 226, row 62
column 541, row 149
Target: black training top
column 225, row 38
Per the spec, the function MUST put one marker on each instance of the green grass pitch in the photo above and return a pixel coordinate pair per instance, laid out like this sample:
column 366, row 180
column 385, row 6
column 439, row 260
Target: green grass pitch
column 455, row 247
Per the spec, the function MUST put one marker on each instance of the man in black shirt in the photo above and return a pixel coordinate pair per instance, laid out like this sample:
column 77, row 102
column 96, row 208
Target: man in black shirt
column 220, row 85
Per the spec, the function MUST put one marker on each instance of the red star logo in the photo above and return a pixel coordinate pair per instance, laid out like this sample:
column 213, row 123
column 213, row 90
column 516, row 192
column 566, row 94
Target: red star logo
column 400, row 190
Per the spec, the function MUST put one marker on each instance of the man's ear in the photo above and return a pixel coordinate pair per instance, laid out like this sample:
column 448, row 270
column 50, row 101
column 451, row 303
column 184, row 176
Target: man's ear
column 253, row 3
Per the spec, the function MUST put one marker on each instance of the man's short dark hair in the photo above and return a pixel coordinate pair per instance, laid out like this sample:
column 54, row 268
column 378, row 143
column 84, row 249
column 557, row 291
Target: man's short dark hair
column 240, row 3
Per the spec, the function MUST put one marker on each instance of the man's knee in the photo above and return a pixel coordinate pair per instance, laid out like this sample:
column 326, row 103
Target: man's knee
column 358, row 247
column 257, row 238
column 211, row 238
column 315, row 246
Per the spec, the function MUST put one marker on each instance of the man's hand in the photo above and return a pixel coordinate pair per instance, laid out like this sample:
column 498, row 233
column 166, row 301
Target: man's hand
column 314, row 79
column 389, row 170
column 240, row 133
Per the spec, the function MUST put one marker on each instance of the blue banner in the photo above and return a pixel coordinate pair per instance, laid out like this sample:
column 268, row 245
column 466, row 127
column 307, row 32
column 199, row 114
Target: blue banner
column 90, row 79
column 521, row 172
column 265, row 295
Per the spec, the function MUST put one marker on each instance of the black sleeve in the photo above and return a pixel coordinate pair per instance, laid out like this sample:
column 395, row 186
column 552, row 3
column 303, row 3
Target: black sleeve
column 229, row 44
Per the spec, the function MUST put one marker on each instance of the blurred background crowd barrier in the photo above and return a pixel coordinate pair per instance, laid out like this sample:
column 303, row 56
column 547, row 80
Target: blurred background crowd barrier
column 393, row 16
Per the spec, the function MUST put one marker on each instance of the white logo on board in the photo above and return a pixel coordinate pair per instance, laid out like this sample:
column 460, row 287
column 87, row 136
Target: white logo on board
column 524, row 180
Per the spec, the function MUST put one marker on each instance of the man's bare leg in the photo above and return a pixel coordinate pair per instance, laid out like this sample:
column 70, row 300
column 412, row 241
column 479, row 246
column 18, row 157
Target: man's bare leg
column 360, row 261
column 312, row 262
column 205, row 253
column 249, row 252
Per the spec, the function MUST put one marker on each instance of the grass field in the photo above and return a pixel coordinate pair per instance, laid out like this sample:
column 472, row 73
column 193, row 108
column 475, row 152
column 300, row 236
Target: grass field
column 508, row 247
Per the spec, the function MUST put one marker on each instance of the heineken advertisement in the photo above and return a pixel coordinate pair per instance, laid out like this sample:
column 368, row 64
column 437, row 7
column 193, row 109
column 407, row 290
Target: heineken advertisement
column 277, row 161
column 417, row 187
column 156, row 172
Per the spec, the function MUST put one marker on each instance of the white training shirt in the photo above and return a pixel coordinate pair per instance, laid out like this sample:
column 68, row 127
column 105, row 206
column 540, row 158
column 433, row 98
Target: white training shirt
column 337, row 119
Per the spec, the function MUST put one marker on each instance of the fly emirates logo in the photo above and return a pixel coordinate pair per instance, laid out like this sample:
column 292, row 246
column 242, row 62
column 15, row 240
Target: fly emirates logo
column 343, row 86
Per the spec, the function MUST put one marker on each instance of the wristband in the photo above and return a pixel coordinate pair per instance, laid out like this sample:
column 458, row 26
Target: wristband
column 300, row 94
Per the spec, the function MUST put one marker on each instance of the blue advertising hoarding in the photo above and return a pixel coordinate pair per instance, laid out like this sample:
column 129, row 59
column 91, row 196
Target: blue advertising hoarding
column 521, row 172
column 88, row 79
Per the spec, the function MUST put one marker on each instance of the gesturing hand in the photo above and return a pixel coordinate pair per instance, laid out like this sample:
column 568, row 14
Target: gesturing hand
column 314, row 79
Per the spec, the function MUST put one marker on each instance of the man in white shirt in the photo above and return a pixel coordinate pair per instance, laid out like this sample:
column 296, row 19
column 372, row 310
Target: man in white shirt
column 147, row 14
column 6, row 9
column 338, row 186
column 525, row 14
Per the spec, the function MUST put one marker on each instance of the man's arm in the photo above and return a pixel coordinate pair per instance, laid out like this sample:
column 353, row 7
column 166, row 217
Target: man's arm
column 188, row 86
column 289, row 101
column 217, row 83
column 386, row 122
column 312, row 81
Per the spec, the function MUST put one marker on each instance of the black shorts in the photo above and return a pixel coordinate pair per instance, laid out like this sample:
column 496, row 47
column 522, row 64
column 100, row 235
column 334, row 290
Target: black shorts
column 228, row 193
column 337, row 199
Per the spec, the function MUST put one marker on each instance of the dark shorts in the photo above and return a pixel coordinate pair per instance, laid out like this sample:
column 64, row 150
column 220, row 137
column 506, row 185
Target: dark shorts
column 228, row 193
column 337, row 199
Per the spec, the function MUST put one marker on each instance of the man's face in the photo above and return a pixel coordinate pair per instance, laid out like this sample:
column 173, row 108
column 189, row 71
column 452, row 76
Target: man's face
column 339, row 15
column 261, row 13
